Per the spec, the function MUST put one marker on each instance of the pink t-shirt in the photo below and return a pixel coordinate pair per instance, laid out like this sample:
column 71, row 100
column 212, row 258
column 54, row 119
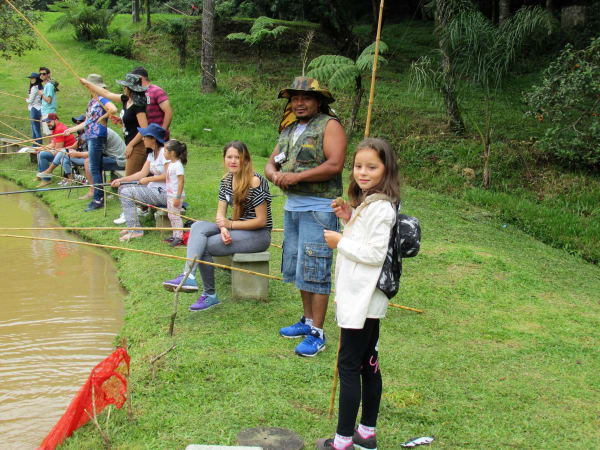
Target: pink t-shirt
column 154, row 97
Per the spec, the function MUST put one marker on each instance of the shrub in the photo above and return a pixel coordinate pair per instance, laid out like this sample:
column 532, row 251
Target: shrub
column 117, row 43
column 569, row 99
column 90, row 21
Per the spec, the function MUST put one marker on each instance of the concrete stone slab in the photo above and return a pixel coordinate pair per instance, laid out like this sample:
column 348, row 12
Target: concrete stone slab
column 218, row 447
column 251, row 257
column 271, row 438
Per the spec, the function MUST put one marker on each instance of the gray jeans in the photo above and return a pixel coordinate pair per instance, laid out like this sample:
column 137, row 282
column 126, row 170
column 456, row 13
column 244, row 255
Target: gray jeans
column 205, row 241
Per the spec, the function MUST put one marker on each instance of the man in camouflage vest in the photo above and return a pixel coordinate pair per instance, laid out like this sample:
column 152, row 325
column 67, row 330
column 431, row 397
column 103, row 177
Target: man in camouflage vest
column 307, row 165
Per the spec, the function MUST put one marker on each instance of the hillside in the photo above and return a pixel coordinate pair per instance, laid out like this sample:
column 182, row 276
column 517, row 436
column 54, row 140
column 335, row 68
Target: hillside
column 506, row 354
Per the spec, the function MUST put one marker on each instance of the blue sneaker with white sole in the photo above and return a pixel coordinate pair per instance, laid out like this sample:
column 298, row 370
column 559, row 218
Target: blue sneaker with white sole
column 299, row 329
column 189, row 285
column 205, row 302
column 311, row 345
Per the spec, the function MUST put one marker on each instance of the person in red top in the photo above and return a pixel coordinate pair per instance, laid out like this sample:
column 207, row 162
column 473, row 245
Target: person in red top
column 59, row 142
column 158, row 109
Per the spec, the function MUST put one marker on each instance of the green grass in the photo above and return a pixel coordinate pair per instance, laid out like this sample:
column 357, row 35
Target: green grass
column 505, row 356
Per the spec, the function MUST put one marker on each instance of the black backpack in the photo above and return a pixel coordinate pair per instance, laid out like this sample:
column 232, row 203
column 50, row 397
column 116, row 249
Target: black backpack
column 405, row 242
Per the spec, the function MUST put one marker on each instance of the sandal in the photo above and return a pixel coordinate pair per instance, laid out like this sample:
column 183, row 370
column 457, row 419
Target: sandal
column 131, row 235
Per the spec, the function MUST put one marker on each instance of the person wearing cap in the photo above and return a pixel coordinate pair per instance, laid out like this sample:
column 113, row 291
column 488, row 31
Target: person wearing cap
column 99, row 108
column 34, row 104
column 307, row 165
column 48, row 94
column 133, row 116
column 158, row 108
column 151, row 185
column 46, row 154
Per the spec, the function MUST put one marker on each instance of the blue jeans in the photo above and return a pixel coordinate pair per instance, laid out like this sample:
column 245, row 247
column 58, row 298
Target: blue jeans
column 44, row 160
column 306, row 257
column 95, row 149
column 36, row 126
column 68, row 162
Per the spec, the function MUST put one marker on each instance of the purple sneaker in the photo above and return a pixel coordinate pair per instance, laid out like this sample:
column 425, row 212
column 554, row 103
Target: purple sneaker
column 205, row 302
column 188, row 286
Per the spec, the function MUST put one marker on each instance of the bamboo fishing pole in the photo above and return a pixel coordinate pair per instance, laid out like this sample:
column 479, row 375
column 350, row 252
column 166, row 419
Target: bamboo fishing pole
column 25, row 141
column 92, row 229
column 12, row 95
column 14, row 129
column 20, row 118
column 61, row 188
column 174, row 9
column 165, row 255
column 54, row 50
column 10, row 136
column 374, row 74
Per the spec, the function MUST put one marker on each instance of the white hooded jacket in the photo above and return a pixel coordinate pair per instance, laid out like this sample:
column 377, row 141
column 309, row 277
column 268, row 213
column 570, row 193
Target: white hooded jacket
column 361, row 253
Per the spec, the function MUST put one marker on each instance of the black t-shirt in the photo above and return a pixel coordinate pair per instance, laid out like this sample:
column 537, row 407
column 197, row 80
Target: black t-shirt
column 129, row 118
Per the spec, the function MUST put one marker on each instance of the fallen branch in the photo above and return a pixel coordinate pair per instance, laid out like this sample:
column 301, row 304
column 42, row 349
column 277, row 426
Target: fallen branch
column 158, row 357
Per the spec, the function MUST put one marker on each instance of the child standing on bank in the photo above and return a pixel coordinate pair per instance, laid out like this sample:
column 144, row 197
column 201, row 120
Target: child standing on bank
column 373, row 191
column 176, row 155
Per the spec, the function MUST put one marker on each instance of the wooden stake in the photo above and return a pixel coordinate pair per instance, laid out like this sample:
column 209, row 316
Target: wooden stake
column 176, row 300
column 158, row 357
column 374, row 74
column 335, row 376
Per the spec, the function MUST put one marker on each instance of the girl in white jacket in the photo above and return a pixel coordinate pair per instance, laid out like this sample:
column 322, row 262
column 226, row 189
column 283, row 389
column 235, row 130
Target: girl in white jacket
column 373, row 189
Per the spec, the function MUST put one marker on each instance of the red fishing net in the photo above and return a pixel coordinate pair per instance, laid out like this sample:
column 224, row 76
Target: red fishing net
column 109, row 379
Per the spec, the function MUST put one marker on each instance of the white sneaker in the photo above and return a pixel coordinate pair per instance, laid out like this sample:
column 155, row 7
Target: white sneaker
column 119, row 220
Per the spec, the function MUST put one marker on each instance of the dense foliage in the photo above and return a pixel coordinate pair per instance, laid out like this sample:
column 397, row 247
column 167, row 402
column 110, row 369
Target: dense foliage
column 90, row 21
column 569, row 98
column 15, row 35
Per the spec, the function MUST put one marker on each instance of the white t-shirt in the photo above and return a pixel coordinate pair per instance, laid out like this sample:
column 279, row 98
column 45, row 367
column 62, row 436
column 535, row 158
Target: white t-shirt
column 157, row 167
column 173, row 171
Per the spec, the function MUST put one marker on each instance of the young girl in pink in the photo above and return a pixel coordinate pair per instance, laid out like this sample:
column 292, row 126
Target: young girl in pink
column 368, row 220
column 176, row 156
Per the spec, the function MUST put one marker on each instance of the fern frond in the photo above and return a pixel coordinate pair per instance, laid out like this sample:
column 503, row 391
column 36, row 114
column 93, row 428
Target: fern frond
column 370, row 49
column 343, row 76
column 325, row 60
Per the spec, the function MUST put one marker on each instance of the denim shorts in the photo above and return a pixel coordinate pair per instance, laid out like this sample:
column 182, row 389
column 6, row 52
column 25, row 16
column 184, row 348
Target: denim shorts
column 306, row 259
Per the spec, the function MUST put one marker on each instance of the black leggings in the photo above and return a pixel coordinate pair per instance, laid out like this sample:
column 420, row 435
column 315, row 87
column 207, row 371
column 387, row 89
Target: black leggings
column 358, row 360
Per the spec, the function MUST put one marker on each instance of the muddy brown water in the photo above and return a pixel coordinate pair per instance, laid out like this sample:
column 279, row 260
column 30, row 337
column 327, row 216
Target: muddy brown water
column 61, row 306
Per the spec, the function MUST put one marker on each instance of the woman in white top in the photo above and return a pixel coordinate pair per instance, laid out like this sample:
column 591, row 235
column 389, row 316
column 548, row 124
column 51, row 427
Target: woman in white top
column 34, row 104
column 151, row 188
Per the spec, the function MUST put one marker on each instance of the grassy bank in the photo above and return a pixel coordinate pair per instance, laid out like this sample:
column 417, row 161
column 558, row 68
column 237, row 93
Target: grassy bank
column 505, row 356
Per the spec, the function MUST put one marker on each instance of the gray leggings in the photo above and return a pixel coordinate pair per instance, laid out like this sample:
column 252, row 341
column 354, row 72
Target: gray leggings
column 156, row 196
column 205, row 241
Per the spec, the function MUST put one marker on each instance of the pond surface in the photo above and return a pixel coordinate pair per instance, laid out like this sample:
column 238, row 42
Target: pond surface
column 61, row 306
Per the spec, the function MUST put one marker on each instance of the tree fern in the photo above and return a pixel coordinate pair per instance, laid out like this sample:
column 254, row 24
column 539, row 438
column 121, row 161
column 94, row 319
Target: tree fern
column 339, row 72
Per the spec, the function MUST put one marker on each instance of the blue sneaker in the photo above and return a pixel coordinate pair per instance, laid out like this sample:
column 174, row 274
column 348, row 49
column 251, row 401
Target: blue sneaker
column 297, row 330
column 189, row 285
column 94, row 205
column 205, row 302
column 311, row 345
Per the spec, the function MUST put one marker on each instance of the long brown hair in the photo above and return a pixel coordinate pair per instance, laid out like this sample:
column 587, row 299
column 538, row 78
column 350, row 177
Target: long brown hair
column 242, row 179
column 390, row 182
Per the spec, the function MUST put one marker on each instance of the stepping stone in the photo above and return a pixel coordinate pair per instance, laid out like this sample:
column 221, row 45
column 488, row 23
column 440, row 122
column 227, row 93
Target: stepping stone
column 270, row 438
column 218, row 447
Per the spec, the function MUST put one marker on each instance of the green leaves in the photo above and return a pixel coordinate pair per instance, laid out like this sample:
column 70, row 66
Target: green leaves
column 262, row 29
column 90, row 22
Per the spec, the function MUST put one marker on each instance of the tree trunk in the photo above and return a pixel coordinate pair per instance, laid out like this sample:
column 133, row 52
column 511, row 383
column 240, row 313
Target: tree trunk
column 453, row 117
column 259, row 65
column 375, row 6
column 503, row 10
column 135, row 11
column 209, row 80
column 494, row 14
column 358, row 94
column 487, row 175
column 148, row 24
column 550, row 6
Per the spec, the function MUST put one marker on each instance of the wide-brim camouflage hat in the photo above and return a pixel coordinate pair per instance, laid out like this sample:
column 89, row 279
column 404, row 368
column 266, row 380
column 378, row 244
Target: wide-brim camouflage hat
column 307, row 84
column 133, row 82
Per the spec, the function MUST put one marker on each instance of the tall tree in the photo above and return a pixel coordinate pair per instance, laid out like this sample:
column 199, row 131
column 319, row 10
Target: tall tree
column 15, row 35
column 148, row 24
column 503, row 10
column 135, row 11
column 263, row 29
column 209, row 80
